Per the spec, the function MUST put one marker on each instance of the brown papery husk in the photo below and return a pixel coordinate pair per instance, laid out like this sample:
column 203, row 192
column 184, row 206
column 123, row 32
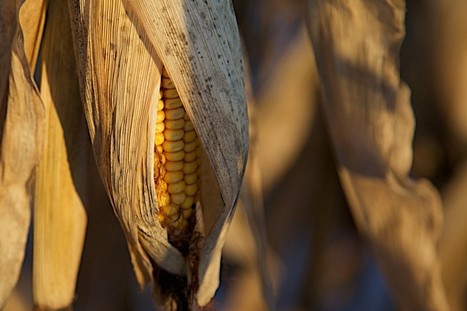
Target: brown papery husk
column 22, row 134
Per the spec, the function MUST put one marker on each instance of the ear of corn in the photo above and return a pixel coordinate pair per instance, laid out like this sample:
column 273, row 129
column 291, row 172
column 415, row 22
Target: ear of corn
column 122, row 132
column 177, row 158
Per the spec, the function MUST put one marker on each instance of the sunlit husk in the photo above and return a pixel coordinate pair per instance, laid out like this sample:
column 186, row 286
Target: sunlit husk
column 61, row 176
column 21, row 132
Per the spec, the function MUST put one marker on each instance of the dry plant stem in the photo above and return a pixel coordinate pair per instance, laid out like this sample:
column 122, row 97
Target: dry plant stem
column 368, row 111
column 22, row 118
column 59, row 215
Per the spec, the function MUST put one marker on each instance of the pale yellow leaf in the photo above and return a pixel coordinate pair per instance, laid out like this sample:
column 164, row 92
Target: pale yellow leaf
column 22, row 123
column 61, row 192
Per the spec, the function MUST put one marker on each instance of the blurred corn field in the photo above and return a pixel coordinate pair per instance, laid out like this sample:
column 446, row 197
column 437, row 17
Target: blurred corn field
column 354, row 194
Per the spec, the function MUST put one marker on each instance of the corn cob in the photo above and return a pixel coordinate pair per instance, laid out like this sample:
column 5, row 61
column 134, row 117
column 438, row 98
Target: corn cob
column 176, row 162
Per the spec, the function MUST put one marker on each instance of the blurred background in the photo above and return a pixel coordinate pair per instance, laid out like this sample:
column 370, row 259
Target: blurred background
column 314, row 258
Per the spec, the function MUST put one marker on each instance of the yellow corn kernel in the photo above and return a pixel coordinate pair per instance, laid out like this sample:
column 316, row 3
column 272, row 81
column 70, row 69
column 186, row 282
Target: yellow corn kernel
column 159, row 139
column 189, row 168
column 167, row 83
column 190, row 189
column 174, row 114
column 170, row 93
column 190, row 156
column 177, row 187
column 173, row 166
column 173, row 103
column 173, row 135
column 163, row 159
column 186, row 117
column 160, row 117
column 160, row 105
column 178, row 198
column 175, row 156
column 189, row 136
column 162, row 186
column 189, row 147
column 160, row 127
column 190, row 178
column 188, row 125
column 170, row 210
column 186, row 213
column 163, row 199
column 173, row 177
column 175, row 124
column 188, row 203
column 173, row 146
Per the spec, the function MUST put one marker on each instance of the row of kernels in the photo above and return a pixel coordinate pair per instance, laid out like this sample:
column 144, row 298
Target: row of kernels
column 177, row 143
column 174, row 146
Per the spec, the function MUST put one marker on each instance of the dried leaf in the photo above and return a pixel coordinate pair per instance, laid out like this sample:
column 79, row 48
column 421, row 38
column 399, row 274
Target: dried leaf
column 22, row 122
column 371, row 123
column 32, row 16
column 60, row 195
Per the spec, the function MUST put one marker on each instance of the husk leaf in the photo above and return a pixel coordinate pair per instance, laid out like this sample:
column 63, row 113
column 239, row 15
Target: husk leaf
column 60, row 195
column 199, row 44
column 22, row 126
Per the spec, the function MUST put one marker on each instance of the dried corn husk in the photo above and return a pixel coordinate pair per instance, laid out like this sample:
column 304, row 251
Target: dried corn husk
column 368, row 111
column 119, row 69
column 61, row 191
column 21, row 124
